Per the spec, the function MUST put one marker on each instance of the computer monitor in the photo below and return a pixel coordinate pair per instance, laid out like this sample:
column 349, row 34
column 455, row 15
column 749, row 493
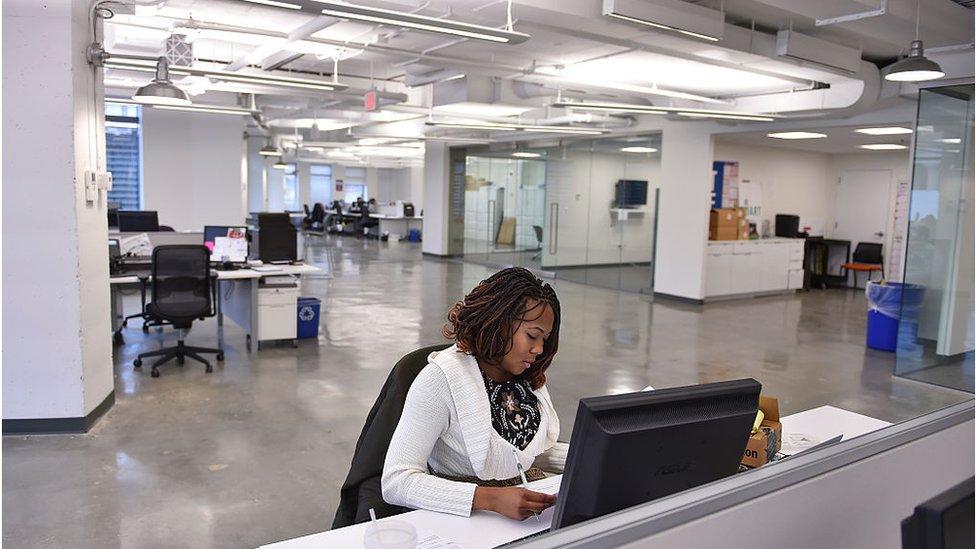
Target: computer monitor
column 113, row 214
column 633, row 448
column 277, row 238
column 138, row 221
column 943, row 522
column 630, row 193
column 226, row 243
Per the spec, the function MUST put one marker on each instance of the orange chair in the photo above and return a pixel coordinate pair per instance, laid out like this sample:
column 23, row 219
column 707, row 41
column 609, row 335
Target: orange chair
column 867, row 258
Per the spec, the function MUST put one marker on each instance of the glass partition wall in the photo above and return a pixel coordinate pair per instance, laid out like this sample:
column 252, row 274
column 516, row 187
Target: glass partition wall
column 583, row 211
column 935, row 339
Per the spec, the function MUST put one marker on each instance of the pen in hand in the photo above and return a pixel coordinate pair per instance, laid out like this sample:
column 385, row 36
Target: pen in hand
column 525, row 482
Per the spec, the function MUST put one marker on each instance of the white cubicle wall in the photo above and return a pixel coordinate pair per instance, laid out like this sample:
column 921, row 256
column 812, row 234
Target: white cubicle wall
column 853, row 495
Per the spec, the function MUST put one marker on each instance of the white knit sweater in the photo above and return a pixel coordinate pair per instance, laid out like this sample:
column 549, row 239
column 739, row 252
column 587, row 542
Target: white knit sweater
column 446, row 425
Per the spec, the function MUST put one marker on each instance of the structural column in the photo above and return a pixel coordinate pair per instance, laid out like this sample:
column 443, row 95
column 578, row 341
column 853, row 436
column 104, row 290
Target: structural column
column 57, row 340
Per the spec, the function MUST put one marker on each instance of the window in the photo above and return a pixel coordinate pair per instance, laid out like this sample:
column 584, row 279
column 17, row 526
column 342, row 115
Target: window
column 354, row 185
column 290, row 188
column 123, row 143
column 320, row 184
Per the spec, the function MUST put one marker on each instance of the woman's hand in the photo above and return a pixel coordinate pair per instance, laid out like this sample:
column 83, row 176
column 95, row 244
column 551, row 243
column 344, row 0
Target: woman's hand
column 513, row 502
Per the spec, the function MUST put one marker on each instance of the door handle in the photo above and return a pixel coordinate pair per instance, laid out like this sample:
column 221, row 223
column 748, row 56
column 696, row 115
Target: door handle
column 553, row 228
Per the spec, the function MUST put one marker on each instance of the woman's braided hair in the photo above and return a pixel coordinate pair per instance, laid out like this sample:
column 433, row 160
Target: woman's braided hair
column 483, row 323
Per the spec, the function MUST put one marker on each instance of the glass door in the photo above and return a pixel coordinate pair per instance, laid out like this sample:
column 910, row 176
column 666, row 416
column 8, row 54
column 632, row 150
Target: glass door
column 935, row 330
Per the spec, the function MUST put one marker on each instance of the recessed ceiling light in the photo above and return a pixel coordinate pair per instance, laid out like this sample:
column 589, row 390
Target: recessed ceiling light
column 274, row 3
column 726, row 116
column 523, row 154
column 482, row 109
column 951, row 140
column 883, row 147
column 638, row 149
column 796, row 135
column 894, row 130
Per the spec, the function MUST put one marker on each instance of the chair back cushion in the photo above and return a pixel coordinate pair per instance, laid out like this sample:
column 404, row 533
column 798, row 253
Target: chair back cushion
column 867, row 252
column 361, row 489
column 181, row 281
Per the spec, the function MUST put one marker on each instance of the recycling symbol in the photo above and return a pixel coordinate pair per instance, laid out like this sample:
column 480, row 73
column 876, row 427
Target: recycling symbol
column 306, row 313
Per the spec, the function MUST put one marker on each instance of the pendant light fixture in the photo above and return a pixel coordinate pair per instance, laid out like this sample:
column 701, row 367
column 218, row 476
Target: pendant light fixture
column 161, row 91
column 916, row 67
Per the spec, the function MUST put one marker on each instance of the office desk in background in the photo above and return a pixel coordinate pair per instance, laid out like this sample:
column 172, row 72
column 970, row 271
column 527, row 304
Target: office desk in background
column 237, row 297
column 398, row 226
column 484, row 529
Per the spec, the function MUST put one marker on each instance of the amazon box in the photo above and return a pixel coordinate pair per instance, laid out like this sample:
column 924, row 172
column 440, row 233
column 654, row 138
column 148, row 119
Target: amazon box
column 763, row 445
column 723, row 224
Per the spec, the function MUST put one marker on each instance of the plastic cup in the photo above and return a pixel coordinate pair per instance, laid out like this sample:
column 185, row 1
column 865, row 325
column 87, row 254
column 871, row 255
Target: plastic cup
column 390, row 534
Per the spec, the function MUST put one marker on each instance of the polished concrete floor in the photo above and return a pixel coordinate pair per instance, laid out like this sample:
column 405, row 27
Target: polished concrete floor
column 255, row 452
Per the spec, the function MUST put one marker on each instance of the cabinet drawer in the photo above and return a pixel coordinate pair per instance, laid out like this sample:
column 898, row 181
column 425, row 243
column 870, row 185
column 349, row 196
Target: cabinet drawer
column 278, row 296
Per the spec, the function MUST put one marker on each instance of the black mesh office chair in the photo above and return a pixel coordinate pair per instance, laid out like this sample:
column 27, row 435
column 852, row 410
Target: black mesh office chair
column 182, row 290
column 538, row 237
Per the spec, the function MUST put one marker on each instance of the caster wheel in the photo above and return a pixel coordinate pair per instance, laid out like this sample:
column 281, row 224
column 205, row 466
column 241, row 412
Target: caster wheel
column 248, row 342
column 209, row 369
column 137, row 362
column 145, row 329
column 180, row 360
column 155, row 373
column 220, row 357
column 118, row 339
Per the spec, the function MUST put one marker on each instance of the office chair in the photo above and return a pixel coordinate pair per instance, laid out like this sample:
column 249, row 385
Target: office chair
column 867, row 258
column 361, row 490
column 538, row 237
column 183, row 290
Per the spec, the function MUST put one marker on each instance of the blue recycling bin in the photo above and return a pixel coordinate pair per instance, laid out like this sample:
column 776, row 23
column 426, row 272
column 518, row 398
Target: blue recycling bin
column 891, row 306
column 308, row 317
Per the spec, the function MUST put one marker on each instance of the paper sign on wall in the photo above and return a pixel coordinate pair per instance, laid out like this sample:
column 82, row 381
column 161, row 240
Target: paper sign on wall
column 750, row 198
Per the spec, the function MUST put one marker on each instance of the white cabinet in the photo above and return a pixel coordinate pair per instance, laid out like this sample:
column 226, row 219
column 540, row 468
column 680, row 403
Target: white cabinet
column 277, row 310
column 753, row 266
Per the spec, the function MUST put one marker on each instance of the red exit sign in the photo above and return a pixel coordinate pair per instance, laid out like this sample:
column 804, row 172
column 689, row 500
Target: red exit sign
column 371, row 102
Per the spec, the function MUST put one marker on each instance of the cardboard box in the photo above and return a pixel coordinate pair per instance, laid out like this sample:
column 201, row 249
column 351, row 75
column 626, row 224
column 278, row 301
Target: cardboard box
column 723, row 224
column 723, row 233
column 763, row 445
column 743, row 228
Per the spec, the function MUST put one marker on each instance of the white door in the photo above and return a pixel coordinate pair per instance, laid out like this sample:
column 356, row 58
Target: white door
column 861, row 207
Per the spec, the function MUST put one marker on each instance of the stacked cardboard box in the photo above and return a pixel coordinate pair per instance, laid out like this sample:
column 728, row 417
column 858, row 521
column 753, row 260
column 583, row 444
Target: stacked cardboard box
column 723, row 224
column 728, row 224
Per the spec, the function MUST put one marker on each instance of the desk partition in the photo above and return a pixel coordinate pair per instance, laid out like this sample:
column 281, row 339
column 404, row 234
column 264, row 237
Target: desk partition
column 853, row 495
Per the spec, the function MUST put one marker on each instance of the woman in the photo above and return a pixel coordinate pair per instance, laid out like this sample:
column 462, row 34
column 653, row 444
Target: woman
column 481, row 404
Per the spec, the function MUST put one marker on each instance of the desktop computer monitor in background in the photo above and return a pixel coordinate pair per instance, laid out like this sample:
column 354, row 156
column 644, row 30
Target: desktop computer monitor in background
column 226, row 244
column 138, row 221
column 277, row 238
column 943, row 522
column 633, row 448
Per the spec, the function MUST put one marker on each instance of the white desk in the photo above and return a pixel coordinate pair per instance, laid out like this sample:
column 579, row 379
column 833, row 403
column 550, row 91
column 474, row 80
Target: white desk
column 484, row 529
column 398, row 226
column 237, row 297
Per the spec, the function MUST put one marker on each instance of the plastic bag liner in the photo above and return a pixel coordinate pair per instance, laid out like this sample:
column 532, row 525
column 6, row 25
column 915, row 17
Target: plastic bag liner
column 894, row 299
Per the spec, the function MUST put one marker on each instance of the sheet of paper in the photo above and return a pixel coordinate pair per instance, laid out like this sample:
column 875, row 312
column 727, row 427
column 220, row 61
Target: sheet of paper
column 548, row 485
column 430, row 540
column 229, row 249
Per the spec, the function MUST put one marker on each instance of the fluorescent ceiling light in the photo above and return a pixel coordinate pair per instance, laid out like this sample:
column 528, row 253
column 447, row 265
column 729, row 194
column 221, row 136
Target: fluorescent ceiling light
column 951, row 140
column 119, row 62
column 523, row 154
column 883, row 147
column 638, row 149
column 726, row 116
column 205, row 109
column 796, row 135
column 275, row 4
column 482, row 109
column 421, row 22
column 601, row 82
column 689, row 20
column 491, row 126
column 280, row 165
column 652, row 109
column 895, row 130
column 663, row 27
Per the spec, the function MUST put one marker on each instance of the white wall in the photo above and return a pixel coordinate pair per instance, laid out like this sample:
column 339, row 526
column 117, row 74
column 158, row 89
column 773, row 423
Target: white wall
column 57, row 344
column 392, row 184
column 192, row 168
column 793, row 182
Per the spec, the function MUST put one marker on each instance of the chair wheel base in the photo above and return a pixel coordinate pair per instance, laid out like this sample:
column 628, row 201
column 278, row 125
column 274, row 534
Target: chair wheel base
column 155, row 373
column 220, row 357
column 137, row 363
